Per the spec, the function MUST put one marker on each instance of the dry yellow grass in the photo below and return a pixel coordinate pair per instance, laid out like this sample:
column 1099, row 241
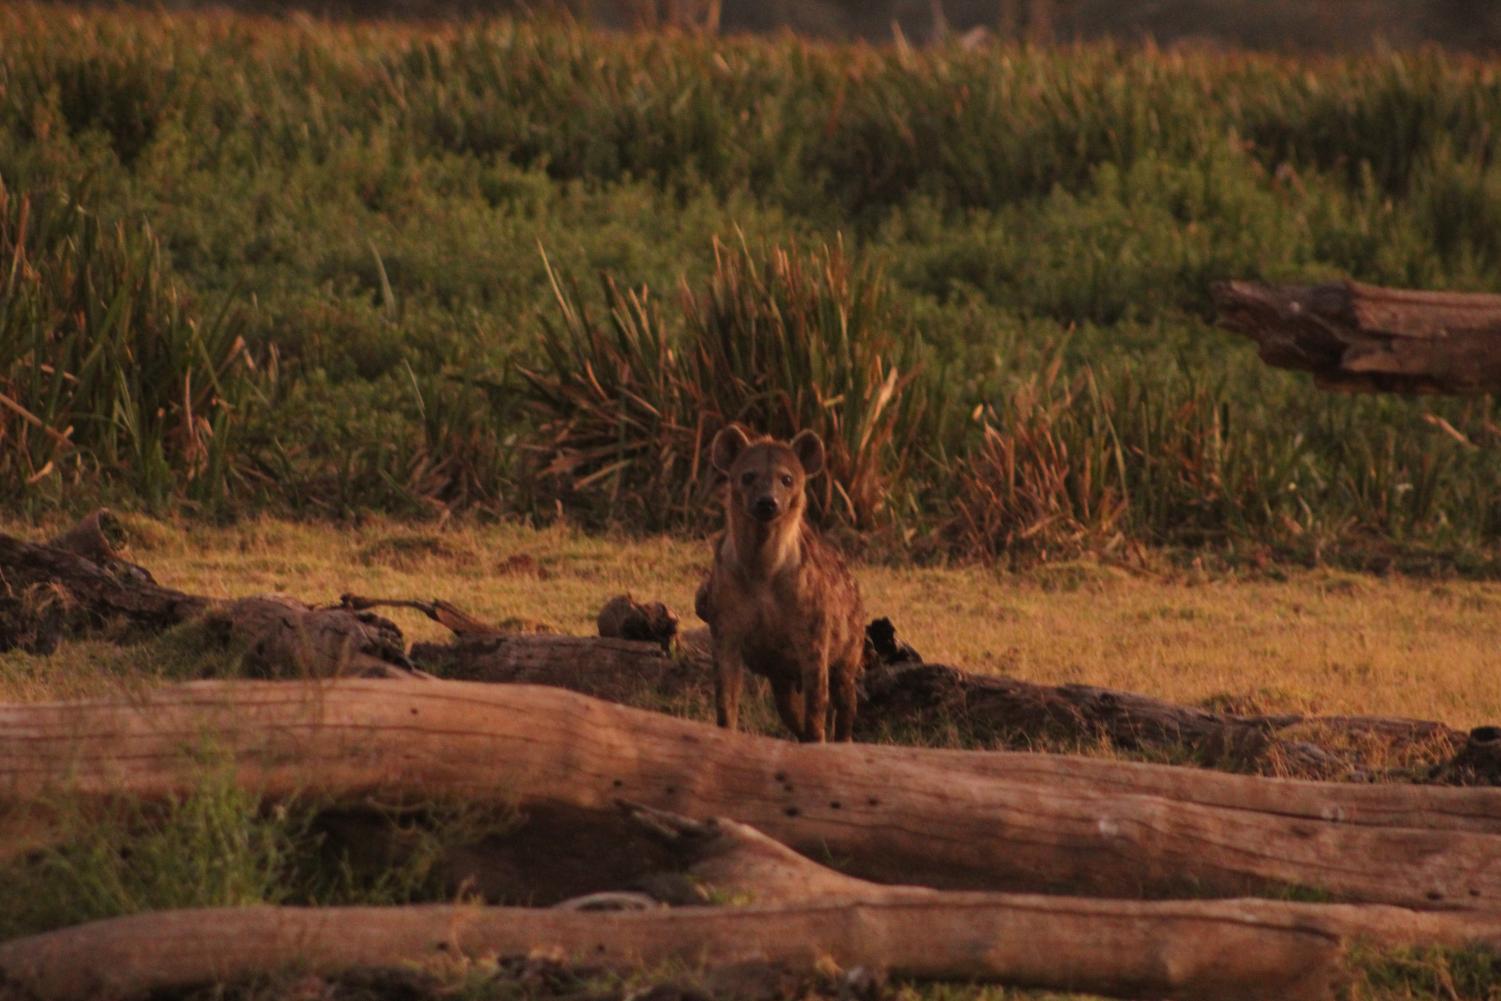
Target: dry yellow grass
column 1321, row 641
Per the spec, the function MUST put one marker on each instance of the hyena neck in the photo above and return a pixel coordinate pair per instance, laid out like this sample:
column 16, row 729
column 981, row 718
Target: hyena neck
column 764, row 550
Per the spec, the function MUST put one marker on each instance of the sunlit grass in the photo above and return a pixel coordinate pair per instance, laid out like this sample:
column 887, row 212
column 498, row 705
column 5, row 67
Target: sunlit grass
column 1320, row 641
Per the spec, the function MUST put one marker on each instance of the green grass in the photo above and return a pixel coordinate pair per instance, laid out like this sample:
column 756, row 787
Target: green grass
column 1413, row 974
column 367, row 201
column 219, row 846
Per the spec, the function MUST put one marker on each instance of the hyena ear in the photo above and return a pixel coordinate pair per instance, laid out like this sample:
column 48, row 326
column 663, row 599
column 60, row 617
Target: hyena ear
column 728, row 444
column 809, row 449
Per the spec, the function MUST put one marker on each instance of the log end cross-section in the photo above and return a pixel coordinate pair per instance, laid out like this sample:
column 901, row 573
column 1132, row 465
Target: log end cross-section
column 1365, row 338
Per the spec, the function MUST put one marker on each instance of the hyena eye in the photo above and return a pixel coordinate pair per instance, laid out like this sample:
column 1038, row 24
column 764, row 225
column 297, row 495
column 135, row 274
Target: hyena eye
column 747, row 479
column 786, row 480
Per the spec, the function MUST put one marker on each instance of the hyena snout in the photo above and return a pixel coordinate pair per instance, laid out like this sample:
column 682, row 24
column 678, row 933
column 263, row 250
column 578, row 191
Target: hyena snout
column 766, row 508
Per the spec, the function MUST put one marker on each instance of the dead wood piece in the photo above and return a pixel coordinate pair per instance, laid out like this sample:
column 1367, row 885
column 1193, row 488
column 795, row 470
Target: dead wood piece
column 284, row 638
column 1240, row 949
column 94, row 596
column 97, row 538
column 803, row 917
column 619, row 670
column 741, row 863
column 1478, row 762
column 1007, row 710
column 885, row 648
column 938, row 818
column 623, row 617
column 446, row 614
column 1170, row 950
column 1367, row 338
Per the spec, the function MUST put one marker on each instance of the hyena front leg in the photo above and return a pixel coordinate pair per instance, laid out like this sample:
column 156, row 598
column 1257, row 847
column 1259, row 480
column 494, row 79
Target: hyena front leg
column 816, row 692
column 729, row 674
column 785, row 692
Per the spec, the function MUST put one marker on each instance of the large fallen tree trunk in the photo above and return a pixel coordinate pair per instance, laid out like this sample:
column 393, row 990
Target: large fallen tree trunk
column 802, row 917
column 1367, row 338
column 1126, row 949
column 895, row 813
column 1000, row 711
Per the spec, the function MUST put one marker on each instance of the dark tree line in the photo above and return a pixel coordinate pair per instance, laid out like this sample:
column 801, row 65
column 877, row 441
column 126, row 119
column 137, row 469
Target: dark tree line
column 1473, row 25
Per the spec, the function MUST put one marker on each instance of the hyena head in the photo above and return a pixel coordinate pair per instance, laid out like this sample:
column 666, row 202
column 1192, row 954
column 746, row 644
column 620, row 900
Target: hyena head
column 767, row 477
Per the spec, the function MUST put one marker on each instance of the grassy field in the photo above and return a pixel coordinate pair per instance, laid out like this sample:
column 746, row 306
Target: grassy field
column 318, row 252
column 1317, row 641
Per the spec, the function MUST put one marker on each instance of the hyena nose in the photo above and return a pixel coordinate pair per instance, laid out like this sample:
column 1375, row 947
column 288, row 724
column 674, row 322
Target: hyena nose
column 765, row 508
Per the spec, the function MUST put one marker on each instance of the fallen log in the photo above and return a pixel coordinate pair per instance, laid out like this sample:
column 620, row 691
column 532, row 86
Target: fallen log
column 803, row 917
column 79, row 584
column 48, row 591
column 895, row 813
column 997, row 709
column 992, row 710
column 619, row 670
column 1365, row 338
column 1128, row 950
column 281, row 637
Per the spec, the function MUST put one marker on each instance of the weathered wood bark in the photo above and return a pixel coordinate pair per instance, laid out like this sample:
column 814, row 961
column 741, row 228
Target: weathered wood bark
column 614, row 669
column 897, row 814
column 1127, row 949
column 78, row 583
column 1000, row 709
column 446, row 614
column 1367, row 338
column 97, row 538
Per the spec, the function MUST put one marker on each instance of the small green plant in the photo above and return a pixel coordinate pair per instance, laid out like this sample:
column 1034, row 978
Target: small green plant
column 219, row 845
column 211, row 847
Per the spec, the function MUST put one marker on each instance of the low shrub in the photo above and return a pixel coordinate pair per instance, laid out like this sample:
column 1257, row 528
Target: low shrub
column 779, row 339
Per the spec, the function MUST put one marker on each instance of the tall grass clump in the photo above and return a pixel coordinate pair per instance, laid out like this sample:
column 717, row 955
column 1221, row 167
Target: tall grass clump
column 1169, row 457
column 106, row 367
column 780, row 339
column 1044, row 478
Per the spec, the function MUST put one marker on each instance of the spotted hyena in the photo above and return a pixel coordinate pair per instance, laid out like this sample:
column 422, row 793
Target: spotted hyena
column 779, row 599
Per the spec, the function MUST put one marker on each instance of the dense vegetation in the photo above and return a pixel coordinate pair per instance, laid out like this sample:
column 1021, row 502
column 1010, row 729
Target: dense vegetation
column 330, row 268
